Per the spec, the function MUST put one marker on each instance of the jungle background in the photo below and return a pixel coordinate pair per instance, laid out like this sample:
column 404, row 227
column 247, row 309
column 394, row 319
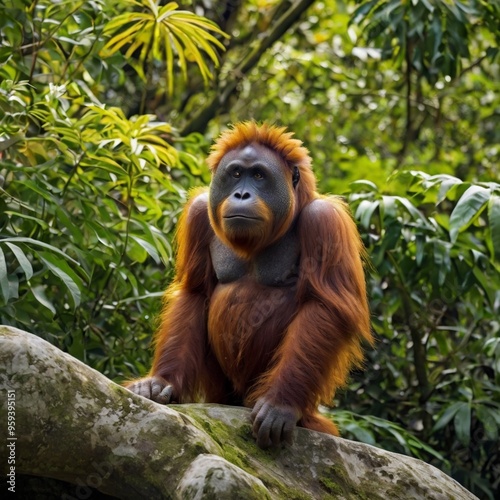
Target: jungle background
column 108, row 109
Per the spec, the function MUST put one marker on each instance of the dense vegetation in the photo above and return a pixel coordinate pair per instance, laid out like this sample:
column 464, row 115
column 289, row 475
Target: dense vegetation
column 107, row 111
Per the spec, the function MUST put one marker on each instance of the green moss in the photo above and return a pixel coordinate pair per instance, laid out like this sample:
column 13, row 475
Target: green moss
column 330, row 486
column 232, row 444
column 239, row 448
column 336, row 481
column 293, row 493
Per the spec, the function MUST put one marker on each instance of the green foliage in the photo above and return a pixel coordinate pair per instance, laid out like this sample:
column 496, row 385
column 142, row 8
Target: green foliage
column 435, row 296
column 432, row 36
column 86, row 202
column 160, row 31
column 89, row 195
column 93, row 174
column 385, row 434
column 363, row 112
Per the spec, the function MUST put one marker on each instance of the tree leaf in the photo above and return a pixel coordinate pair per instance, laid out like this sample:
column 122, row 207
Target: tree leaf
column 31, row 241
column 487, row 417
column 441, row 260
column 369, row 185
column 362, row 11
column 462, row 422
column 61, row 269
column 22, row 259
column 485, row 283
column 447, row 415
column 360, row 433
column 417, row 215
column 494, row 222
column 21, row 215
column 468, row 208
column 39, row 294
column 158, row 31
column 4, row 279
column 420, row 241
column 365, row 211
column 150, row 249
column 448, row 183
column 136, row 252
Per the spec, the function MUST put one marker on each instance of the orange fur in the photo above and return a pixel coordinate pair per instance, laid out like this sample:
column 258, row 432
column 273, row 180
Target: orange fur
column 258, row 237
column 323, row 341
column 241, row 341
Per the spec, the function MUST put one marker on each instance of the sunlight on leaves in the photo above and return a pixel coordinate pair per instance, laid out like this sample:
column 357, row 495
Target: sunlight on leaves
column 160, row 32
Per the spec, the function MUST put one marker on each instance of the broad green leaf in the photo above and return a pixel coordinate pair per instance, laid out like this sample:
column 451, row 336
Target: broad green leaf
column 37, row 189
column 161, row 243
column 494, row 222
column 136, row 252
column 360, row 433
column 370, row 186
column 487, row 416
column 160, row 29
column 468, row 208
column 365, row 211
column 104, row 236
column 4, row 278
column 447, row 416
column 441, row 260
column 14, row 286
column 72, row 41
column 420, row 241
column 399, row 437
column 485, row 283
column 150, row 249
column 492, row 344
column 61, row 269
column 362, row 11
column 110, row 164
column 31, row 241
column 39, row 294
column 445, row 187
column 22, row 259
column 66, row 222
column 388, row 208
column 462, row 423
column 413, row 210
column 39, row 221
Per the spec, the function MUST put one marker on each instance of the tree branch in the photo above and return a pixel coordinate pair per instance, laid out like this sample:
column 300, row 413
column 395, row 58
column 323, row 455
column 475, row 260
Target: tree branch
column 290, row 17
column 62, row 420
